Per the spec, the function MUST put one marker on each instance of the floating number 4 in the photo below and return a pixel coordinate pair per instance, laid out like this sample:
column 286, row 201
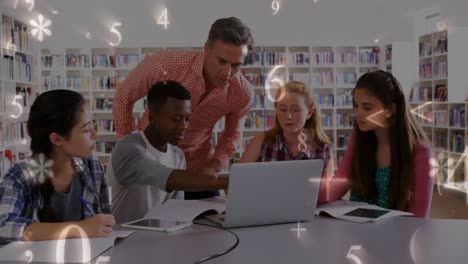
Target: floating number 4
column 163, row 20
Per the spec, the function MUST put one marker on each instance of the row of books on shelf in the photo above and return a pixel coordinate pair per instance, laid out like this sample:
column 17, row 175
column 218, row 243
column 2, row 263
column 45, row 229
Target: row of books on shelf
column 262, row 101
column 369, row 56
column 16, row 68
column 127, row 60
column 268, row 58
column 440, row 93
column 77, row 61
column 9, row 157
column 424, row 117
column 271, row 58
column 70, row 61
column 457, row 117
column 439, row 69
column 327, row 120
column 103, row 104
column 109, row 82
column 52, row 61
column 346, row 78
column 23, row 96
column 258, row 121
column 347, row 57
column 425, row 71
column 388, row 54
column 326, row 100
column 299, row 58
column 439, row 140
column 104, row 125
column 440, row 117
column 457, row 142
column 274, row 58
column 255, row 79
column 16, row 34
column 52, row 82
column 424, row 94
column 425, row 49
column 344, row 98
column 421, row 94
column 441, row 43
column 342, row 140
column 103, row 61
column 344, row 120
column 323, row 58
column 105, row 146
column 322, row 79
column 315, row 79
column 77, row 82
column 14, row 131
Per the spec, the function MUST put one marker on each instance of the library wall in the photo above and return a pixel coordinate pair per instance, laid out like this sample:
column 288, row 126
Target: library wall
column 190, row 21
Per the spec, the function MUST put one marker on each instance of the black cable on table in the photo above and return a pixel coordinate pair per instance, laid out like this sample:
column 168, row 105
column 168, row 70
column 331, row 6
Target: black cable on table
column 221, row 253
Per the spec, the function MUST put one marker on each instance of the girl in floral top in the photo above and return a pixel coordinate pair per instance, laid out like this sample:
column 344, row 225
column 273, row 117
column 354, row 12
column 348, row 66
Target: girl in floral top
column 297, row 134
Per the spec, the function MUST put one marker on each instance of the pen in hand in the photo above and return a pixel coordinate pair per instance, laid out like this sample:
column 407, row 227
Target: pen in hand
column 86, row 205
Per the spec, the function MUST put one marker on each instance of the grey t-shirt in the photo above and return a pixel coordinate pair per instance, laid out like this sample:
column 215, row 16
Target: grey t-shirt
column 67, row 206
column 137, row 173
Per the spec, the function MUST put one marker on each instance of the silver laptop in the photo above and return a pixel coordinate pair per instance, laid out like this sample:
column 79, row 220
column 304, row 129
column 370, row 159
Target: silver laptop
column 271, row 193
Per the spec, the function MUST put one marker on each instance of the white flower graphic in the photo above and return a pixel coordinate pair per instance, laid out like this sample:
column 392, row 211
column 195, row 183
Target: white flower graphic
column 40, row 27
column 440, row 167
column 40, row 169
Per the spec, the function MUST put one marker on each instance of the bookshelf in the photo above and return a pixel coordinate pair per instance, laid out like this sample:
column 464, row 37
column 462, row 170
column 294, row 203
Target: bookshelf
column 95, row 73
column 331, row 71
column 439, row 100
column 18, row 88
column 398, row 60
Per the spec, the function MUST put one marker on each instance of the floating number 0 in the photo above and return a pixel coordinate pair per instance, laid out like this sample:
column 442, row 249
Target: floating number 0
column 275, row 5
column 60, row 250
column 116, row 32
column 163, row 20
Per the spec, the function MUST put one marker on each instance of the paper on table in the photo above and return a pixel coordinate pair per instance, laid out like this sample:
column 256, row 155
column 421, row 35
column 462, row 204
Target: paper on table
column 184, row 210
column 75, row 250
column 338, row 209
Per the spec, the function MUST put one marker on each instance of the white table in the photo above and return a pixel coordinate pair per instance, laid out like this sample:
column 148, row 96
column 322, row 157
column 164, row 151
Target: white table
column 324, row 240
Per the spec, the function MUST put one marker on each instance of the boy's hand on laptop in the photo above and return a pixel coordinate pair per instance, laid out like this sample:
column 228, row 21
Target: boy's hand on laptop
column 212, row 165
column 223, row 183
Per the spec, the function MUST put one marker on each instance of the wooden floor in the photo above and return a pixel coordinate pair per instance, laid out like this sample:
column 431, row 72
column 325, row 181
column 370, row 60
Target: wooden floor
column 449, row 204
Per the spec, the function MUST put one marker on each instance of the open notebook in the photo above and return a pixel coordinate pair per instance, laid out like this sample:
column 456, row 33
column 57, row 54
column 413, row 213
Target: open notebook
column 186, row 210
column 60, row 251
column 357, row 211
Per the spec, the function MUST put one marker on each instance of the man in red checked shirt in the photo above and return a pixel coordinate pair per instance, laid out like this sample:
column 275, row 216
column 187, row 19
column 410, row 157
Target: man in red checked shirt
column 217, row 88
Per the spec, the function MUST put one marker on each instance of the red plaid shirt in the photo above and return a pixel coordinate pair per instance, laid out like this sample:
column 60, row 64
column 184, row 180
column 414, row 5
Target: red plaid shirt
column 186, row 67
